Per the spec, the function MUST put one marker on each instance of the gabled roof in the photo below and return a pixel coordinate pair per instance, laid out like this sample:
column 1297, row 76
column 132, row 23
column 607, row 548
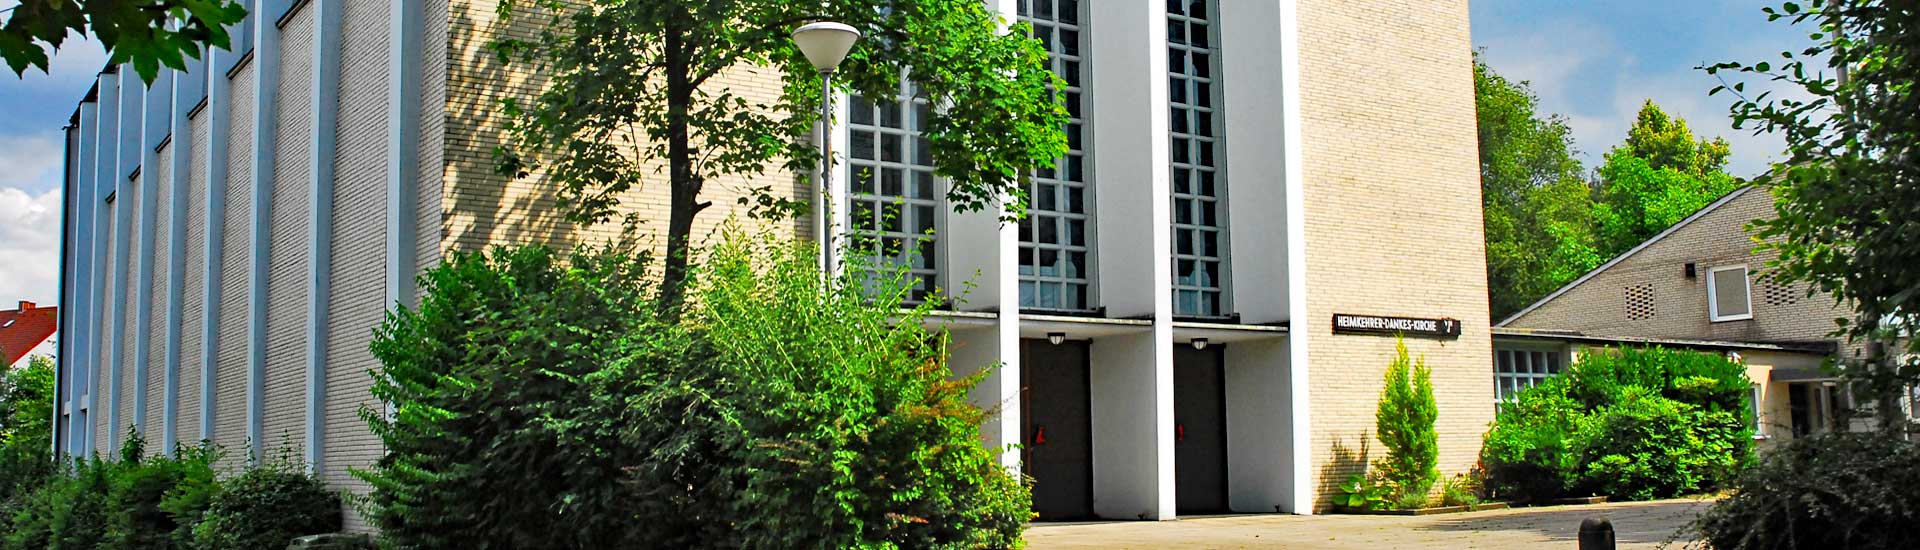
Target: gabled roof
column 23, row 329
column 1722, row 201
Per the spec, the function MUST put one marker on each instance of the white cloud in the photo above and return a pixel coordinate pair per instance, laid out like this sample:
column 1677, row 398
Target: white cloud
column 1581, row 71
column 31, row 163
column 29, row 246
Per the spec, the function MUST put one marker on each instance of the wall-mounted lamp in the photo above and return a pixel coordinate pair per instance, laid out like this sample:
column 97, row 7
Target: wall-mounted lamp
column 1056, row 338
column 1198, row 343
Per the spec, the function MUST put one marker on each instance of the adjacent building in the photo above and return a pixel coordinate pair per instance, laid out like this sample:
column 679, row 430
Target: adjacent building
column 1700, row 284
column 24, row 331
column 1195, row 318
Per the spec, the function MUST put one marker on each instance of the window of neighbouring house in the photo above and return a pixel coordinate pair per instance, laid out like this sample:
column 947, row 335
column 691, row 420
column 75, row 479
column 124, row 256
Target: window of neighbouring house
column 1753, row 412
column 1515, row 370
column 1729, row 294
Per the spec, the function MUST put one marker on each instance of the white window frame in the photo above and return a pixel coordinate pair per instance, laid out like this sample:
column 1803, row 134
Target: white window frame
column 1755, row 409
column 1528, row 379
column 1713, row 294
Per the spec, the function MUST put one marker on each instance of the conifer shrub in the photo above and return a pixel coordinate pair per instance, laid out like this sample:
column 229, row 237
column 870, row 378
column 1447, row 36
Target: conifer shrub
column 1405, row 423
column 1404, row 420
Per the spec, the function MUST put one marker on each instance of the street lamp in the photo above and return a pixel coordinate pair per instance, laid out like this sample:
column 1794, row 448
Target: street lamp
column 825, row 44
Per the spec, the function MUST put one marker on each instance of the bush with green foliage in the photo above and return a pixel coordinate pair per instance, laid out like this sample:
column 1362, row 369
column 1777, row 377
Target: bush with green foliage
column 145, row 501
column 26, row 434
column 1835, row 490
column 1628, row 423
column 545, row 401
column 139, row 491
column 267, row 506
column 71, row 511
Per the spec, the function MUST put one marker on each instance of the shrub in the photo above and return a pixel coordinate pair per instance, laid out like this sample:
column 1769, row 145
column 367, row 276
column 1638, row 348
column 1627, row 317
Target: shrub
column 139, row 488
column 1647, row 446
column 1529, row 454
column 1461, row 490
column 69, row 512
column 856, row 429
column 265, row 507
column 1629, row 423
column 1405, row 421
column 1837, row 490
column 26, row 435
column 493, row 442
column 541, row 402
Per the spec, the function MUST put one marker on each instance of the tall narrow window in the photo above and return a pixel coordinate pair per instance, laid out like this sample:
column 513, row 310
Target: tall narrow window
column 894, row 201
column 1199, row 233
column 1053, row 237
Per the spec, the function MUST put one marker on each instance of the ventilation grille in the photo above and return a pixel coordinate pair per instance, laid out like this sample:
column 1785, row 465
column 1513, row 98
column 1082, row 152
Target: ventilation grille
column 1639, row 302
column 1779, row 294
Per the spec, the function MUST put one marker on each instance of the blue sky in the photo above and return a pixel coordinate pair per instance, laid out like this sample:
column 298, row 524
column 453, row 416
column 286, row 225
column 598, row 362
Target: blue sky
column 1593, row 61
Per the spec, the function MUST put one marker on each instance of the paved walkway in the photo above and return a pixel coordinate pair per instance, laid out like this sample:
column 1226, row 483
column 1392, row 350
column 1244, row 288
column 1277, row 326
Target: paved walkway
column 1637, row 525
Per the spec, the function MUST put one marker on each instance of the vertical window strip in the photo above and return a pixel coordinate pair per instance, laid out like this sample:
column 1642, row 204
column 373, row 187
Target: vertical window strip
column 894, row 202
column 1053, row 237
column 1199, row 236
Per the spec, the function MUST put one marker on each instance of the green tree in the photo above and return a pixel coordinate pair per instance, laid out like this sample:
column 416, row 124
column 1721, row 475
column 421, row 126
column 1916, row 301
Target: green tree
column 1847, row 193
column 26, row 403
column 1660, row 175
column 1538, row 209
column 146, row 33
column 610, row 116
column 1405, row 422
column 26, row 432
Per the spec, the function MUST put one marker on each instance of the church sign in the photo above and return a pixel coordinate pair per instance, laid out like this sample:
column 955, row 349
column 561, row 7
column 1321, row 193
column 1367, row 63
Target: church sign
column 1413, row 327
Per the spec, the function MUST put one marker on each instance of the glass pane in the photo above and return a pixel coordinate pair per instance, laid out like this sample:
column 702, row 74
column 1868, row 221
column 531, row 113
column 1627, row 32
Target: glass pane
column 1730, row 292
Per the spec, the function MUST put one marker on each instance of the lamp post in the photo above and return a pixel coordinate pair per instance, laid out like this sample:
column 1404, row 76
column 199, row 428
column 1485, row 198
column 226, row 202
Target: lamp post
column 825, row 44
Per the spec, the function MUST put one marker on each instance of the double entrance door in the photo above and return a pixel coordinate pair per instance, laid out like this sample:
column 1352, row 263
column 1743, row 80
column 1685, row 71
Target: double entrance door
column 1057, row 428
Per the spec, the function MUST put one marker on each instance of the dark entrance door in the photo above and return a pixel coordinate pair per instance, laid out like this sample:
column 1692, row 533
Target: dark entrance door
column 1055, row 408
column 1200, row 430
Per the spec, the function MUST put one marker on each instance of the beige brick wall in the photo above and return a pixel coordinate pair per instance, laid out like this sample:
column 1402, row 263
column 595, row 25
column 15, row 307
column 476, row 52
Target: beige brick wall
column 103, row 369
column 482, row 208
column 230, row 367
column 289, row 282
column 127, row 277
column 358, row 272
column 1393, row 221
column 1718, row 238
column 193, row 284
column 156, row 298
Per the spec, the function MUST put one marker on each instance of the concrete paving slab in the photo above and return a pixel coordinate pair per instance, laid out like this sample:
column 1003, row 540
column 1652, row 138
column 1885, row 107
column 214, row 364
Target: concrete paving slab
column 1637, row 525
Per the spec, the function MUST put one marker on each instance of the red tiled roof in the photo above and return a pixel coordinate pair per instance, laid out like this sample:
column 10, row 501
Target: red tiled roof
column 23, row 329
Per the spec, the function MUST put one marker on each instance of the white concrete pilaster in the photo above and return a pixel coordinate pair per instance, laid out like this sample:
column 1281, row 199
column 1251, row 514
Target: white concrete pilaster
column 1132, row 375
column 219, row 90
column 326, row 105
column 403, row 156
column 266, row 66
column 126, row 157
column 156, row 114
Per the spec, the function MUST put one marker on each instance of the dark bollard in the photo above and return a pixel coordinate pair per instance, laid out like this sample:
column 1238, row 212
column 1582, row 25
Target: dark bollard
column 1596, row 534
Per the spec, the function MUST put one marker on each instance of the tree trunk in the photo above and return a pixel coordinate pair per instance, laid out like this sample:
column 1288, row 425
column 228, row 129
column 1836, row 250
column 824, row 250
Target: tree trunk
column 685, row 183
